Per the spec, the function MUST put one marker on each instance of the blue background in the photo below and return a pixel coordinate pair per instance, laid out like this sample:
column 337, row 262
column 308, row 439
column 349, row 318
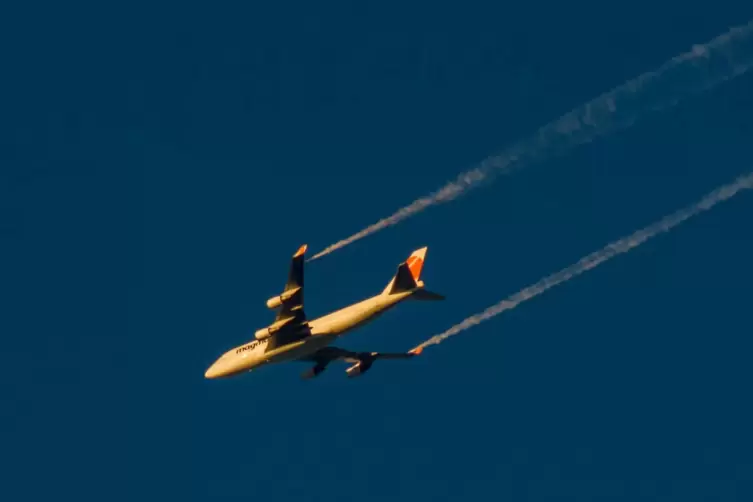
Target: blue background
column 160, row 162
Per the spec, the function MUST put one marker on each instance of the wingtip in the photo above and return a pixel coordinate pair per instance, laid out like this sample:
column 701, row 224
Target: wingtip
column 301, row 251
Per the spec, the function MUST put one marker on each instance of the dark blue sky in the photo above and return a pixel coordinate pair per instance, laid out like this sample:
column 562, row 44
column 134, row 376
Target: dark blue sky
column 160, row 163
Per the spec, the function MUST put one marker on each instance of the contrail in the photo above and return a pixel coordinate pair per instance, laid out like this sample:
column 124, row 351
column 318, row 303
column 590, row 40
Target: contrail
column 594, row 259
column 702, row 68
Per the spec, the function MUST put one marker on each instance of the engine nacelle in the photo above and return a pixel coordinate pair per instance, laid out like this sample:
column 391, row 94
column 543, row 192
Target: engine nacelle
column 264, row 333
column 278, row 300
column 359, row 368
column 274, row 302
column 314, row 371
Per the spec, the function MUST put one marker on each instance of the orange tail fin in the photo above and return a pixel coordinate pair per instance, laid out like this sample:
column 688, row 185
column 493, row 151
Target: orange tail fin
column 408, row 274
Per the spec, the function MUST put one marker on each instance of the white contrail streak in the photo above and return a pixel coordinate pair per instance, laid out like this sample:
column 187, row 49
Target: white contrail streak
column 700, row 69
column 594, row 259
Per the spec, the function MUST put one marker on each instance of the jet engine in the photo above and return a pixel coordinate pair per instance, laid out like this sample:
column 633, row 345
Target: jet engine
column 359, row 368
column 314, row 371
column 270, row 330
column 263, row 333
column 278, row 300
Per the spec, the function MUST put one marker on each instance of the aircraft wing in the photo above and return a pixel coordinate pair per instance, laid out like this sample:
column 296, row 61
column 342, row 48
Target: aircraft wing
column 290, row 321
column 291, row 299
column 362, row 360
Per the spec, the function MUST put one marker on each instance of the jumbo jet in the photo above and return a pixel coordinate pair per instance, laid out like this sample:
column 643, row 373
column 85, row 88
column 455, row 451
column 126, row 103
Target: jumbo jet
column 292, row 337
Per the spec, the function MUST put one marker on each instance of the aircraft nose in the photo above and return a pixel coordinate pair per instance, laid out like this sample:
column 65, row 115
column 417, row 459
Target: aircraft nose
column 213, row 371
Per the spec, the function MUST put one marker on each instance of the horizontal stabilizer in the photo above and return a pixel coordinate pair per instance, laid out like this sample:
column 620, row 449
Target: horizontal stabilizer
column 425, row 295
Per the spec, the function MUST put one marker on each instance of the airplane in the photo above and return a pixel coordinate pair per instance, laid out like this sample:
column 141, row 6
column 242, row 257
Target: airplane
column 292, row 337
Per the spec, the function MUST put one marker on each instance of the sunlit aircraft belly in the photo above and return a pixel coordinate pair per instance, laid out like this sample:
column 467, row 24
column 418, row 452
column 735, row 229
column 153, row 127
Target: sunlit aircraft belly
column 261, row 355
column 354, row 316
column 324, row 331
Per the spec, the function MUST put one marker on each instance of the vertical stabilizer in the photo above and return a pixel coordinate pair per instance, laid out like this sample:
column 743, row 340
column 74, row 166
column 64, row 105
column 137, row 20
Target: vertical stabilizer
column 408, row 274
column 415, row 262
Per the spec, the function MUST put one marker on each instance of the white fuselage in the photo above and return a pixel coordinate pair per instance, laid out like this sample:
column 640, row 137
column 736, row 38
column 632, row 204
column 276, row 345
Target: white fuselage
column 324, row 330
